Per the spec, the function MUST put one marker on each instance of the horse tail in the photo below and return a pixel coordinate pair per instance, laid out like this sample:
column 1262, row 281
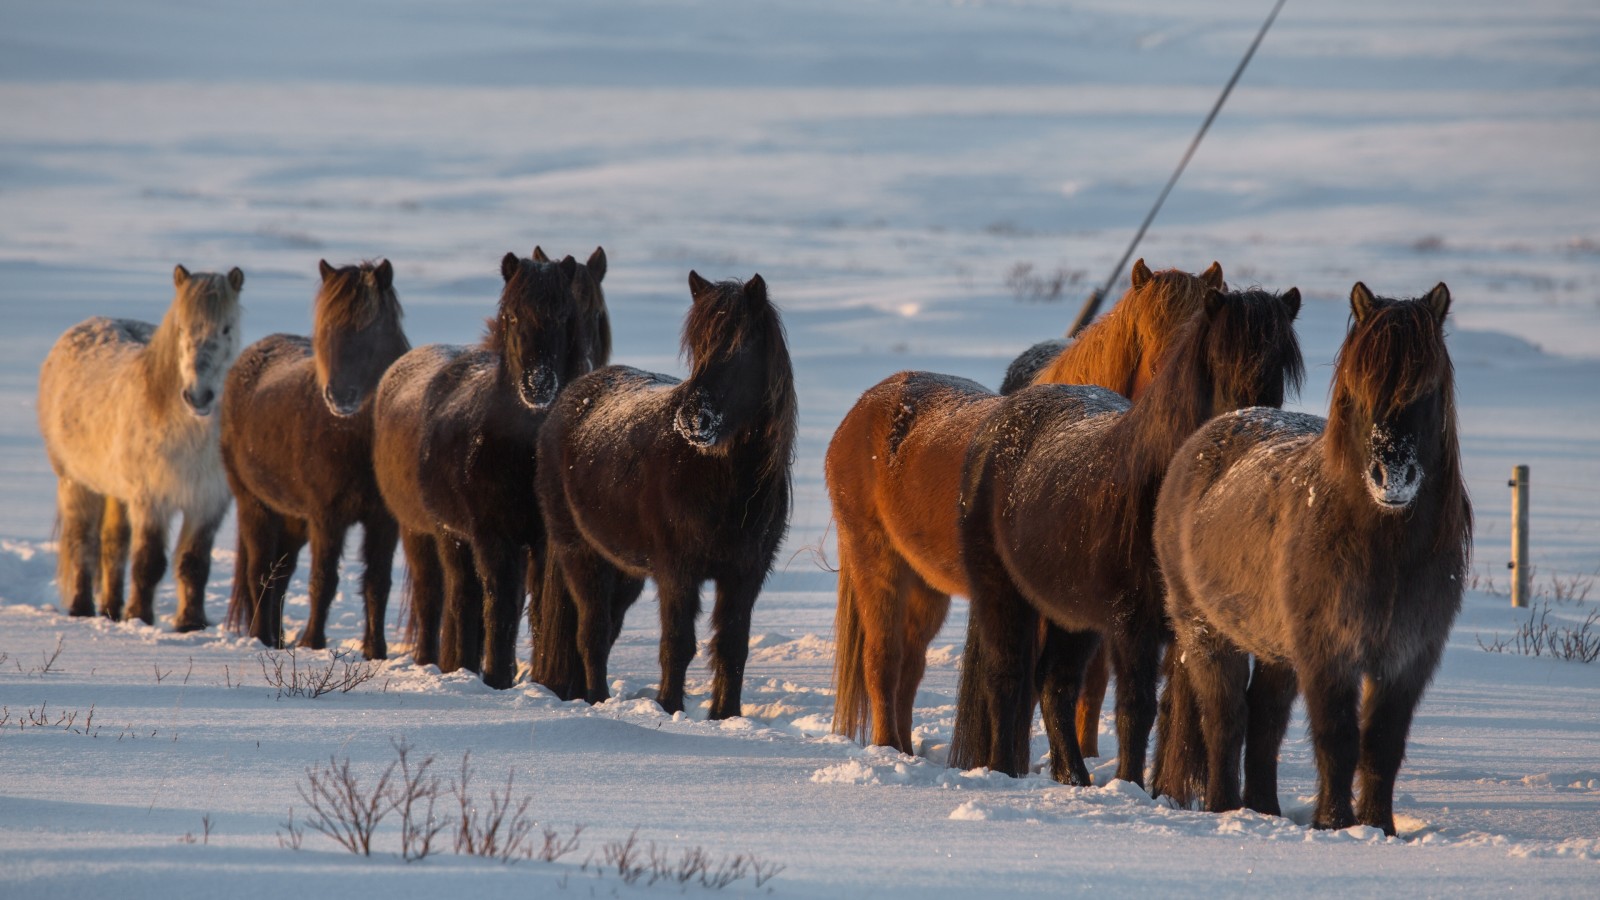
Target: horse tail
column 553, row 629
column 851, row 704
column 240, row 602
column 969, row 742
column 1180, row 756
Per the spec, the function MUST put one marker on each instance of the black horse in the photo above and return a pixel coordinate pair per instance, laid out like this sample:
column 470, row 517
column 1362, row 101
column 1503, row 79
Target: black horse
column 644, row 476
column 1334, row 551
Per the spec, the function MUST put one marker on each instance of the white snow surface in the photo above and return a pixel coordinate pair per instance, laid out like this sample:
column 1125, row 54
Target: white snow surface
column 883, row 164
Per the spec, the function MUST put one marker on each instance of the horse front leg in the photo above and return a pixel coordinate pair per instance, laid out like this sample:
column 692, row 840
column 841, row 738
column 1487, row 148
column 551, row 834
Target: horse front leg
column 194, row 569
column 679, row 596
column 115, row 537
column 379, row 534
column 1061, row 668
column 1331, row 693
column 1386, row 714
column 1271, row 696
column 80, row 511
column 149, row 563
column 730, row 641
column 502, row 568
column 327, row 546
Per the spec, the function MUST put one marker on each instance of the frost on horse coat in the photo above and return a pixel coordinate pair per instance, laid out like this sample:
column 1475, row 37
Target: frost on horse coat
column 1330, row 550
column 127, row 411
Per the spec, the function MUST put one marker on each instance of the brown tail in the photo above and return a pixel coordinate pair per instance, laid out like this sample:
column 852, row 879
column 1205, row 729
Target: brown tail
column 1180, row 756
column 851, row 705
column 240, row 601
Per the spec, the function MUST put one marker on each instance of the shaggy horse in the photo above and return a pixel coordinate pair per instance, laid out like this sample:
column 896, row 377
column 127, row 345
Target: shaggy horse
column 126, row 412
column 1334, row 551
column 893, row 471
column 683, row 482
column 297, row 444
column 1056, row 504
column 456, row 431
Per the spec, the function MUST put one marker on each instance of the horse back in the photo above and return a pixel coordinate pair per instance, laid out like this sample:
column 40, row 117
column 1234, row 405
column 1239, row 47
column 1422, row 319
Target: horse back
column 894, row 467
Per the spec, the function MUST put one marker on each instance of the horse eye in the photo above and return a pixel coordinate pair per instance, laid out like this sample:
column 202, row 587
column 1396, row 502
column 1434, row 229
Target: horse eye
column 227, row 330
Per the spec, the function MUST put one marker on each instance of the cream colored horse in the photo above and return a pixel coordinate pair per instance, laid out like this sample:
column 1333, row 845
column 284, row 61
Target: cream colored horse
column 128, row 415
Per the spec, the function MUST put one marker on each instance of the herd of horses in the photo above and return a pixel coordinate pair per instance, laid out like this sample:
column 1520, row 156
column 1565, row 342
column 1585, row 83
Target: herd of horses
column 1134, row 502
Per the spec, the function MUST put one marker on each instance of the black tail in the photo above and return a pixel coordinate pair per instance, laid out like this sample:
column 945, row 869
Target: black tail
column 1180, row 757
column 553, row 626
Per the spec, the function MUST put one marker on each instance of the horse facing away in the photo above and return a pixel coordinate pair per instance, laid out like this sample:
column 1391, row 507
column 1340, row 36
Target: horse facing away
column 126, row 413
column 297, row 444
column 1057, row 498
column 1334, row 551
column 456, row 433
column 645, row 476
column 893, row 471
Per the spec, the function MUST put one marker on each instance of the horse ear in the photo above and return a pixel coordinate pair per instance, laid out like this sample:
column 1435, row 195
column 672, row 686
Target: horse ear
column 508, row 265
column 1213, row 276
column 1215, row 300
column 538, row 254
column 1438, row 301
column 597, row 264
column 1141, row 273
column 385, row 275
column 698, row 286
column 569, row 267
column 1361, row 302
column 756, row 289
column 236, row 279
column 325, row 269
column 1292, row 298
column 179, row 275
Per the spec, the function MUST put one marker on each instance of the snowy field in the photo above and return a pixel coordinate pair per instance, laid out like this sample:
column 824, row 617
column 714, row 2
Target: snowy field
column 885, row 165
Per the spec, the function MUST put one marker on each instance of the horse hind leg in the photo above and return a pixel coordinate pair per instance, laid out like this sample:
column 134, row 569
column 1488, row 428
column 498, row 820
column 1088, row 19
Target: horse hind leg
column 1096, row 676
column 379, row 535
column 114, row 539
column 461, row 626
column 425, row 585
column 868, row 624
column 1136, row 657
column 925, row 612
column 590, row 580
column 1061, row 672
column 80, row 511
column 194, row 569
column 149, row 563
column 1270, row 697
column 1217, row 673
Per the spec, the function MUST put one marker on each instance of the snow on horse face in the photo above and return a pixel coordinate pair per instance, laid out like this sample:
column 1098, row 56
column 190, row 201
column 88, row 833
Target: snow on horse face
column 126, row 410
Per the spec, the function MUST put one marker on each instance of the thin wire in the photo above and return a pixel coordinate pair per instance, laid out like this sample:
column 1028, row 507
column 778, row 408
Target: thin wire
column 1091, row 306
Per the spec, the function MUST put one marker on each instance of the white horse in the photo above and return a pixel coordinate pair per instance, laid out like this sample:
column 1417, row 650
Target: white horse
column 128, row 415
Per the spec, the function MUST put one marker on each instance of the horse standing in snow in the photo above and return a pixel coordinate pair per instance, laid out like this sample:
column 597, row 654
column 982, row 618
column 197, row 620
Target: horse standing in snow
column 1333, row 550
column 893, row 471
column 297, row 443
column 456, row 433
column 126, row 411
column 641, row 476
column 1056, row 505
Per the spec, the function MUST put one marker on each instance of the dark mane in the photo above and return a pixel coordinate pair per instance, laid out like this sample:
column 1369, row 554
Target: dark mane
column 353, row 297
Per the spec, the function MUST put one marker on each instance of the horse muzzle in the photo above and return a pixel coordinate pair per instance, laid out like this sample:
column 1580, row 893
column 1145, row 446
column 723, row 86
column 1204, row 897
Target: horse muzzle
column 201, row 403
column 701, row 427
column 1394, row 485
column 343, row 404
column 537, row 387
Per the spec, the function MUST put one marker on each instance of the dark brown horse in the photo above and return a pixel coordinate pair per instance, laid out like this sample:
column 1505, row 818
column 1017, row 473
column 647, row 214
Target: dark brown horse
column 683, row 482
column 894, row 477
column 297, row 446
column 1334, row 552
column 456, row 431
column 1056, row 505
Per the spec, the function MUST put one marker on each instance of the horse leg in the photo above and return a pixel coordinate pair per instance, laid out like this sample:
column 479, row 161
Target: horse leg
column 1270, row 697
column 1096, row 676
column 461, row 631
column 1007, row 627
column 925, row 612
column 1179, row 768
column 730, row 641
column 502, row 569
column 870, row 624
column 1136, row 656
column 327, row 545
column 1331, row 694
column 379, row 534
column 149, row 562
column 288, row 538
column 80, row 510
column 679, row 596
column 1218, row 673
column 199, row 532
column 588, row 580
column 114, row 539
column 1061, row 672
column 1386, row 715
column 426, row 579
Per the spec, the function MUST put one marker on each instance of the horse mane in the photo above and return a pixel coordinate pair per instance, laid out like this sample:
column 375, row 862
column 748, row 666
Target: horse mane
column 353, row 297
column 1393, row 357
column 1144, row 322
column 706, row 328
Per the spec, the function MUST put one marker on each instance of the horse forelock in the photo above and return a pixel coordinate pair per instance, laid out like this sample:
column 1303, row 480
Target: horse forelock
column 1133, row 336
column 207, row 297
column 535, row 295
column 350, row 300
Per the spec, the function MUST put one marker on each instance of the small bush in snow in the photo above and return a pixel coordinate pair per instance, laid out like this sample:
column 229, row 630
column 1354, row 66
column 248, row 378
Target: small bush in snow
column 342, row 672
column 1537, row 637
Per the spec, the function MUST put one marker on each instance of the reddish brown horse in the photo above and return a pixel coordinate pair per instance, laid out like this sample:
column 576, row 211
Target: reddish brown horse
column 297, row 446
column 1331, row 550
column 894, row 474
column 1056, row 501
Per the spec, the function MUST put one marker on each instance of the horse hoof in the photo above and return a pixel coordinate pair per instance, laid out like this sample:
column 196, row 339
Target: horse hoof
column 375, row 651
column 189, row 625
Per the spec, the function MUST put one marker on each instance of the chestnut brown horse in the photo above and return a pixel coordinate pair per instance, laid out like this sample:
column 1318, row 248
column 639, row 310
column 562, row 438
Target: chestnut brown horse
column 297, row 446
column 893, row 471
column 1056, row 502
column 1332, row 550
column 456, row 431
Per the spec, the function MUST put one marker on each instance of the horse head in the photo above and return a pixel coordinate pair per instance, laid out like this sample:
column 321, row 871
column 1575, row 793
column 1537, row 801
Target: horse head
column 539, row 332
column 206, row 313
column 734, row 342
column 357, row 333
column 1253, row 355
column 1392, row 416
column 1158, row 305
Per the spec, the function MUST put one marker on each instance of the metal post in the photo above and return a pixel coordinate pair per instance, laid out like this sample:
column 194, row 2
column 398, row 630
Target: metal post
column 1521, row 568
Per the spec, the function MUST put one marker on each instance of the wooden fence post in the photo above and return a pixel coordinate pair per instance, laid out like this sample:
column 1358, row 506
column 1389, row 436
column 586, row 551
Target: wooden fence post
column 1521, row 569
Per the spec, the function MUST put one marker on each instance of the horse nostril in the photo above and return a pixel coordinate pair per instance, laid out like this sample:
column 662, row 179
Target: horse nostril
column 1376, row 474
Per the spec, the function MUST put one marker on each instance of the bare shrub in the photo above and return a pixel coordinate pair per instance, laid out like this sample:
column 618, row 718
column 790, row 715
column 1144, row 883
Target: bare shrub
column 1537, row 637
column 342, row 672
column 344, row 809
column 499, row 832
column 1029, row 286
column 41, row 717
column 414, row 796
column 290, row 835
column 47, row 660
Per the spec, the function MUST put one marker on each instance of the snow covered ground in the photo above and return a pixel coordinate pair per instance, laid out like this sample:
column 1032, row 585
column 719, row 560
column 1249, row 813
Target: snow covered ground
column 884, row 164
